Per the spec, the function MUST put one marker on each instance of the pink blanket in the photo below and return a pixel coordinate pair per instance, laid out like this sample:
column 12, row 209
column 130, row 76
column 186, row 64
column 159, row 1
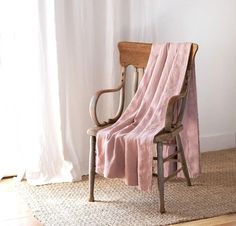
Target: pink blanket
column 125, row 149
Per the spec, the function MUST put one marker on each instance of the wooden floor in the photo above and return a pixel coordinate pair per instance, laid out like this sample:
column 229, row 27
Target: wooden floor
column 14, row 211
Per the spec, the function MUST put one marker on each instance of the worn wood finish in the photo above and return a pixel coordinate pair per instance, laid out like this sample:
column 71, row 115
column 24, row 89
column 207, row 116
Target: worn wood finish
column 93, row 131
column 92, row 168
column 183, row 160
column 136, row 80
column 194, row 49
column 137, row 54
column 95, row 98
column 160, row 175
column 167, row 135
column 134, row 53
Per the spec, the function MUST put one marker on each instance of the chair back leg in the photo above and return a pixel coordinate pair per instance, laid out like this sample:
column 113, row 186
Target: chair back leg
column 92, row 168
column 183, row 160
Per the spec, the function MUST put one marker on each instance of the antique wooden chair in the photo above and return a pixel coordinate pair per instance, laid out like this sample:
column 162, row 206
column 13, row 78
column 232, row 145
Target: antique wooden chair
column 137, row 54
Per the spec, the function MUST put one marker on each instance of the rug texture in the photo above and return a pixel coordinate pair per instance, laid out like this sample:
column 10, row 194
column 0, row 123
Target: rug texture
column 212, row 194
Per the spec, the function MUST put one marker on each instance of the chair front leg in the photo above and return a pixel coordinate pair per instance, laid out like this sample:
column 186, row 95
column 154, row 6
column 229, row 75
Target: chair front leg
column 183, row 160
column 160, row 172
column 92, row 168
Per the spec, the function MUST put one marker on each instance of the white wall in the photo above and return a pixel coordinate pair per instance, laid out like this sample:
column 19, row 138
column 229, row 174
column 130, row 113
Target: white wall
column 211, row 24
column 97, row 26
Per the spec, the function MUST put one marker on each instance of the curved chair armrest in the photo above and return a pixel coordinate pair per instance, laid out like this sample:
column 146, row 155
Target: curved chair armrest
column 170, row 111
column 171, row 104
column 93, row 106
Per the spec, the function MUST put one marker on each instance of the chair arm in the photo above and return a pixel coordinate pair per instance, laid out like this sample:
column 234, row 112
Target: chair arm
column 171, row 104
column 94, row 101
column 170, row 110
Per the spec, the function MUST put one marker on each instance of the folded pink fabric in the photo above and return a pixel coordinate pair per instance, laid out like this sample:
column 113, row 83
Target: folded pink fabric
column 125, row 149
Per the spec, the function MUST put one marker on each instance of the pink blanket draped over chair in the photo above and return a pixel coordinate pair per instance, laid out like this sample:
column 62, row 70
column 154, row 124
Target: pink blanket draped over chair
column 125, row 149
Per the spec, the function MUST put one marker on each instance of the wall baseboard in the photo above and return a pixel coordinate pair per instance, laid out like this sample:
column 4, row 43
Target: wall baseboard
column 217, row 142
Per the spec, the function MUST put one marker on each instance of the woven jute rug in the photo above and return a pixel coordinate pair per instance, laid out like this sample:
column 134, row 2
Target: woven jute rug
column 212, row 194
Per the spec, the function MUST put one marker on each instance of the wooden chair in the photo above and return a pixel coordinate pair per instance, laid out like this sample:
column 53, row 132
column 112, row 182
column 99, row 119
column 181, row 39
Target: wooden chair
column 137, row 54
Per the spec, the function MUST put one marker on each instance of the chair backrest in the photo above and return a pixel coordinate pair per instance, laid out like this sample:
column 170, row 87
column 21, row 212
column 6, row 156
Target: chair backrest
column 137, row 54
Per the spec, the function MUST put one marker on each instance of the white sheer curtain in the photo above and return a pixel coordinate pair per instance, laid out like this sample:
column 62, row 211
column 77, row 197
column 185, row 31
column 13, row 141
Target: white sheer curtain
column 53, row 56
column 31, row 140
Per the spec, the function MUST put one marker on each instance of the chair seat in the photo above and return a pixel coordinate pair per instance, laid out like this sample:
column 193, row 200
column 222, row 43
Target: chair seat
column 167, row 136
column 159, row 137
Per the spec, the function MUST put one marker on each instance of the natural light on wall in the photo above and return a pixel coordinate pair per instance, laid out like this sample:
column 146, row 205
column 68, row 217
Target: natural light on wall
column 25, row 82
